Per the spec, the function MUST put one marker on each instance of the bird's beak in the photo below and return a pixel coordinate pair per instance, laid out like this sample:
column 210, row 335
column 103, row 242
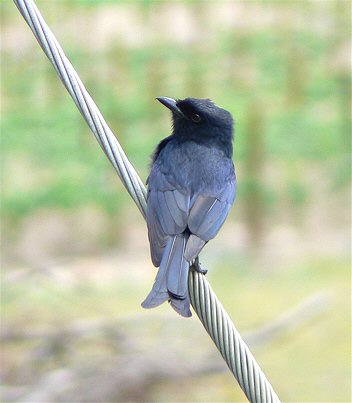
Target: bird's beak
column 171, row 104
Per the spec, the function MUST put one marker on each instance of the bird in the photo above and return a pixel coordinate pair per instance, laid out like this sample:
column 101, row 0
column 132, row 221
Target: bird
column 191, row 187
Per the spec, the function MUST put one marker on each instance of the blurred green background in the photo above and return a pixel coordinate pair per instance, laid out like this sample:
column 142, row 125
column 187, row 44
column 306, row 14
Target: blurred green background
column 75, row 258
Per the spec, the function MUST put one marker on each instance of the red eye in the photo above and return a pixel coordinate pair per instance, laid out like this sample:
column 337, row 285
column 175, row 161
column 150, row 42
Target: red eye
column 196, row 118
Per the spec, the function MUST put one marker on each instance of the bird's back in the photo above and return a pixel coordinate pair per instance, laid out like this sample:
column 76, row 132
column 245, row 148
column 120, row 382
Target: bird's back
column 193, row 167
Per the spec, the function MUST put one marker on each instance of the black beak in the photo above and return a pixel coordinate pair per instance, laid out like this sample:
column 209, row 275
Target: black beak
column 171, row 104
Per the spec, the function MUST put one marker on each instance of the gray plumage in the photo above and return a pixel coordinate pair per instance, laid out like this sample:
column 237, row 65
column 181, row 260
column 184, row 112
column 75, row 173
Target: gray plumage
column 191, row 188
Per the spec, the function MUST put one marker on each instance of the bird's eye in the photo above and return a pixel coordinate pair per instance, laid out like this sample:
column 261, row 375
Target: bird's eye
column 196, row 118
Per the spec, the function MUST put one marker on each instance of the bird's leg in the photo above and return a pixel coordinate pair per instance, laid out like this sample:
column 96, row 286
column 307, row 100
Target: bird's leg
column 195, row 265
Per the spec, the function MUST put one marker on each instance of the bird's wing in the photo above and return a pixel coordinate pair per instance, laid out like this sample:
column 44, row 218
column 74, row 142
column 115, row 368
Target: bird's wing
column 208, row 213
column 167, row 213
column 170, row 211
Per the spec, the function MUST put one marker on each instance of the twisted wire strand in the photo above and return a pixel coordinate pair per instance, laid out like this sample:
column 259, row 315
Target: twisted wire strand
column 229, row 342
column 204, row 301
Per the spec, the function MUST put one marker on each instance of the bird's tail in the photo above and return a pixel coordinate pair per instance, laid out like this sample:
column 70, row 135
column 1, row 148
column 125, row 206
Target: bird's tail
column 171, row 282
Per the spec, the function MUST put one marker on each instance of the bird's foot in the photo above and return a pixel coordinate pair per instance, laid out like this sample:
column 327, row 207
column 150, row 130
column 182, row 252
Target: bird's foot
column 198, row 267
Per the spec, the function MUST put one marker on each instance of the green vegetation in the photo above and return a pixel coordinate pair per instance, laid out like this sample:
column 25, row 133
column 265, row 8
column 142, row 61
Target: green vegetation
column 288, row 86
column 298, row 101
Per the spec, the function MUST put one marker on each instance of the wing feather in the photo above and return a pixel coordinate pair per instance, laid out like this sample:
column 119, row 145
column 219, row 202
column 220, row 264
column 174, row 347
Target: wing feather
column 208, row 213
column 163, row 213
column 167, row 213
column 157, row 237
column 177, row 214
column 182, row 201
column 170, row 212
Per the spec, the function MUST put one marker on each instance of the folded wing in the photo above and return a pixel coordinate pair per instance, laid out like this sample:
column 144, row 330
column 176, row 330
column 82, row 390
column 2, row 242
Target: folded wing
column 206, row 216
column 167, row 214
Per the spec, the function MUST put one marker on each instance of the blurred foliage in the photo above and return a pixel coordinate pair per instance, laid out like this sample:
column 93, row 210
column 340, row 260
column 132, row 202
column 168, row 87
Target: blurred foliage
column 283, row 74
column 283, row 70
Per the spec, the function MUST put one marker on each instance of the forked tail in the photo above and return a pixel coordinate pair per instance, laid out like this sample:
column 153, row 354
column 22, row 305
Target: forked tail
column 171, row 282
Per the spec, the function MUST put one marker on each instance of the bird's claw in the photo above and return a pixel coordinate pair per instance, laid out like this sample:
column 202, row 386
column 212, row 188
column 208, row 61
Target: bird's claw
column 198, row 267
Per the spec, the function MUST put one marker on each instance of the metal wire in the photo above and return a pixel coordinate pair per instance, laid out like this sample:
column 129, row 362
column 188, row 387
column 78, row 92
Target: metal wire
column 204, row 301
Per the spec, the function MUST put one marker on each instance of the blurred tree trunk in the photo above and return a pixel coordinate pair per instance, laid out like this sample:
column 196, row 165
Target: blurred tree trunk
column 254, row 164
column 154, row 81
column 342, row 69
column 296, row 74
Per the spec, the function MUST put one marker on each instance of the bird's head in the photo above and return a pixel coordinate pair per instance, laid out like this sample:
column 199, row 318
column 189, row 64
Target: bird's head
column 199, row 119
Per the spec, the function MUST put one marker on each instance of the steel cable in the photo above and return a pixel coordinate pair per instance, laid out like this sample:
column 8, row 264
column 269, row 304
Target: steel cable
column 203, row 299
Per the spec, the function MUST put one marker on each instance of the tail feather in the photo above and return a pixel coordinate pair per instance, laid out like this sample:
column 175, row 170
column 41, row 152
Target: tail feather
column 178, row 269
column 171, row 280
column 159, row 292
column 181, row 306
